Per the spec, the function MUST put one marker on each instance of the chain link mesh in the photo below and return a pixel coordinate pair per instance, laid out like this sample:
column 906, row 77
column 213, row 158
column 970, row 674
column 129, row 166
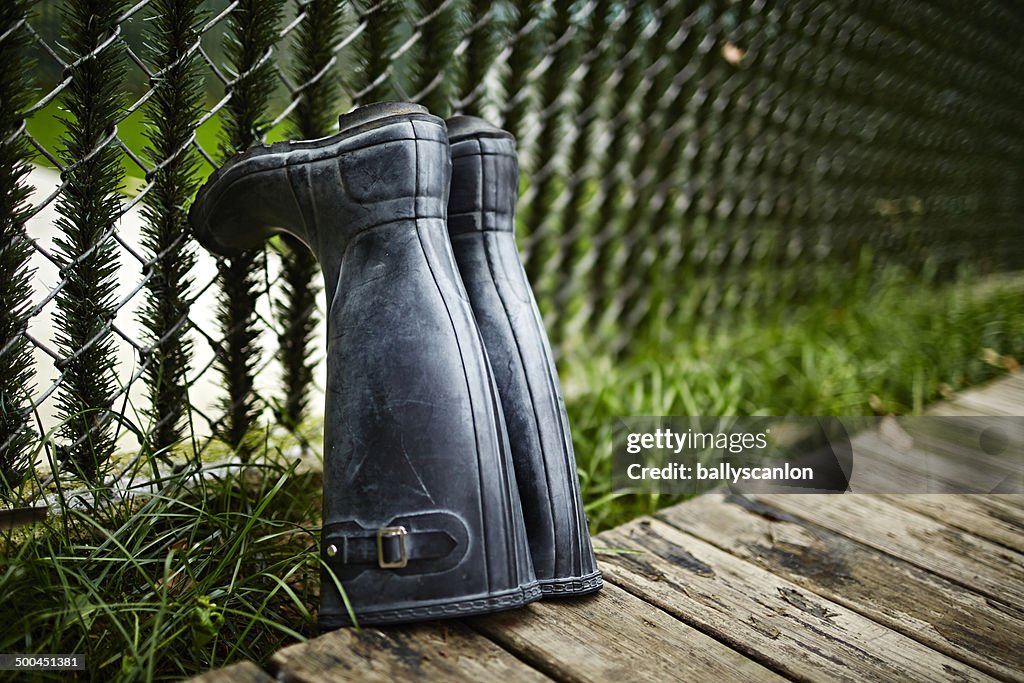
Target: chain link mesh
column 679, row 159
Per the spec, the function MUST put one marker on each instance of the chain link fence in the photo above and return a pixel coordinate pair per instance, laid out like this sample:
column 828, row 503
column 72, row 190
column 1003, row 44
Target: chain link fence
column 679, row 159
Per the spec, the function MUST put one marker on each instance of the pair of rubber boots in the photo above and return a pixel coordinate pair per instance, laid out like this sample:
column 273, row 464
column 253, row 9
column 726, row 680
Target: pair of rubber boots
column 450, row 486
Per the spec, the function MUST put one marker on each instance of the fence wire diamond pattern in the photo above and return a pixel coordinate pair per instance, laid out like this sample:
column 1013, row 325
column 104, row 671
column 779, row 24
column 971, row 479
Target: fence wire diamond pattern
column 680, row 159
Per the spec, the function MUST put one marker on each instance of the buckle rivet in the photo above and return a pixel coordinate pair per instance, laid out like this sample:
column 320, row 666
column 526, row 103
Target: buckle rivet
column 332, row 550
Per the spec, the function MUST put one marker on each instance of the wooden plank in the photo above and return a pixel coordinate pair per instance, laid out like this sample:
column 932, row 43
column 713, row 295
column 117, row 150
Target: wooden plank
column 1004, row 397
column 928, row 608
column 19, row 517
column 964, row 558
column 1008, row 501
column 880, row 467
column 947, row 409
column 975, row 514
column 445, row 651
column 240, row 672
column 614, row 636
column 767, row 617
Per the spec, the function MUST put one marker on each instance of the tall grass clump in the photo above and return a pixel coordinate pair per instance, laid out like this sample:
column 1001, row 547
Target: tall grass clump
column 522, row 26
column 659, row 208
column 611, row 175
column 596, row 62
column 435, row 53
column 865, row 343
column 481, row 47
column 375, row 80
column 248, row 44
column 163, row 586
column 16, row 433
column 655, row 117
column 200, row 570
column 313, row 117
column 171, row 115
column 86, row 250
column 545, row 177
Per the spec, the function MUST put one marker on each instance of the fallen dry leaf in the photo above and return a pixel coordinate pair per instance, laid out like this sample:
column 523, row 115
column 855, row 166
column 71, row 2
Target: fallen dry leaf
column 732, row 53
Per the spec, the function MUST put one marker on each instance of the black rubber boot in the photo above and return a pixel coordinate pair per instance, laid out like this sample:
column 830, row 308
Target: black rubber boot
column 422, row 517
column 481, row 219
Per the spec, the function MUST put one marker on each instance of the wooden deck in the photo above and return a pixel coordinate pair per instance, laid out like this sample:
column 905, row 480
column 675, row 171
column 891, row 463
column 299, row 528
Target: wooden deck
column 722, row 588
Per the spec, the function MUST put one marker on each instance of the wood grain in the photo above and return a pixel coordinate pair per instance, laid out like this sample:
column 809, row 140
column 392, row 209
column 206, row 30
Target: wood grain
column 917, row 603
column 443, row 651
column 1005, row 397
column 614, row 636
column 879, row 467
column 796, row 632
column 980, row 515
column 240, row 672
column 975, row 563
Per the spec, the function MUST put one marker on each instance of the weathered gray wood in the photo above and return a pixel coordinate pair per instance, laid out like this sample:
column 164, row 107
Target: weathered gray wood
column 815, row 587
column 765, row 616
column 948, row 409
column 1004, row 397
column 443, row 651
column 972, row 562
column 614, row 636
column 241, row 672
column 1007, row 501
column 880, row 467
column 896, row 594
column 976, row 514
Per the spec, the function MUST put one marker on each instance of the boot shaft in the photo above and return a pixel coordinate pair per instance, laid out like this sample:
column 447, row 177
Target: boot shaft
column 481, row 225
column 422, row 517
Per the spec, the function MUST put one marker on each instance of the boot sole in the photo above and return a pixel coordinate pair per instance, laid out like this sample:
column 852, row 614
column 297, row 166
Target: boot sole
column 496, row 602
column 571, row 586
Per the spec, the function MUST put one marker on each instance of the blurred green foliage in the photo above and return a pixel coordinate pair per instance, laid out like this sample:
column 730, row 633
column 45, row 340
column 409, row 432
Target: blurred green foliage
column 877, row 342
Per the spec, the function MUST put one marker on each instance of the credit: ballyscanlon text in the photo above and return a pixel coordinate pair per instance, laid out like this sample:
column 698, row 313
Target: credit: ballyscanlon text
column 722, row 472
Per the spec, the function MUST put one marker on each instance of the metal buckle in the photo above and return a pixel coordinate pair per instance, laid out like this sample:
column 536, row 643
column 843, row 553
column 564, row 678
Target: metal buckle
column 389, row 532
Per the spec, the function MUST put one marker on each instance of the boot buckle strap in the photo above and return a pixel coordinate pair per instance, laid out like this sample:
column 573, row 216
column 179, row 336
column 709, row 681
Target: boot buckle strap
column 391, row 543
column 430, row 541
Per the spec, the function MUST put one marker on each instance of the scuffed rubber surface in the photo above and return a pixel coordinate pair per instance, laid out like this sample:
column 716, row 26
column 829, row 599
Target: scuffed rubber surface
column 412, row 430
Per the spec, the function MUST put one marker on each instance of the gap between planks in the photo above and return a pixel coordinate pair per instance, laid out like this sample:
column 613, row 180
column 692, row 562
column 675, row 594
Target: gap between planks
column 447, row 651
column 767, row 617
column 609, row 636
column 899, row 595
column 615, row 636
column 975, row 563
column 987, row 516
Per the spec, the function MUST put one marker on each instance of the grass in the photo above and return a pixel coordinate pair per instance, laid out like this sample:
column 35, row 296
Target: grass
column 890, row 345
column 221, row 568
column 160, row 587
